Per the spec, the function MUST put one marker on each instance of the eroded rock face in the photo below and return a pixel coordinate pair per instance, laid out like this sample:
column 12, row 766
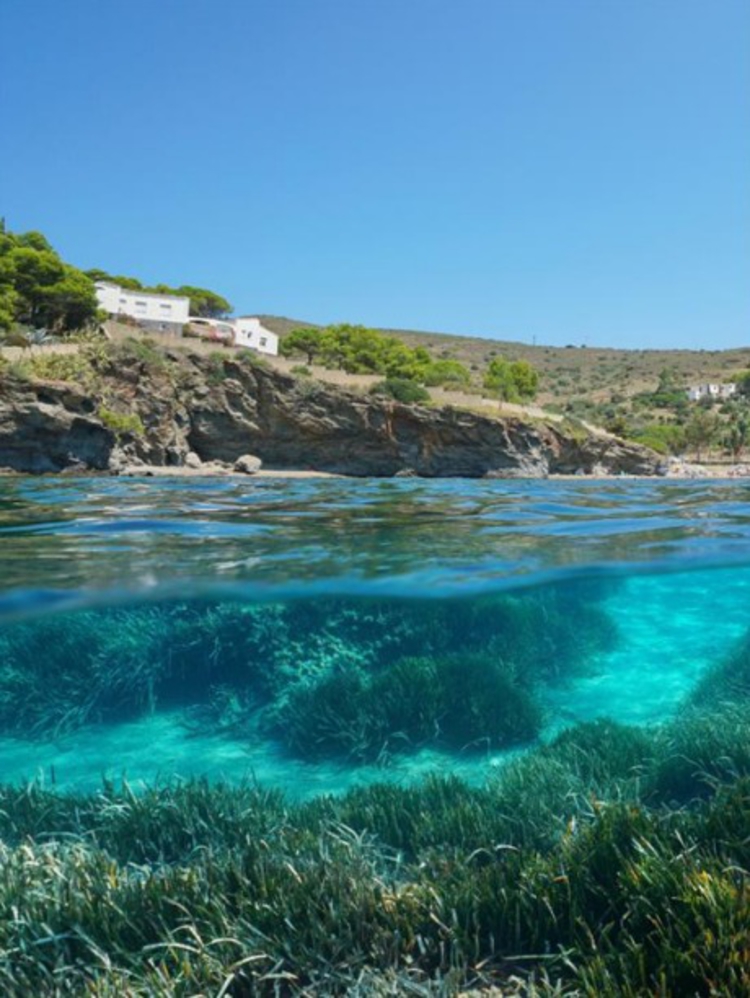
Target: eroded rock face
column 189, row 415
column 51, row 427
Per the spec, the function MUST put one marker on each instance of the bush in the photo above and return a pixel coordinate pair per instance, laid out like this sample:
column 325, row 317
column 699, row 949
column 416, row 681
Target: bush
column 216, row 368
column 401, row 390
column 252, row 359
column 666, row 438
column 460, row 701
column 141, row 351
column 122, row 424
column 73, row 367
column 447, row 373
column 515, row 381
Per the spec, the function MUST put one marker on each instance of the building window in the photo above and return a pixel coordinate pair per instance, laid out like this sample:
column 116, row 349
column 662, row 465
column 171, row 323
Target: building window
column 165, row 308
column 263, row 341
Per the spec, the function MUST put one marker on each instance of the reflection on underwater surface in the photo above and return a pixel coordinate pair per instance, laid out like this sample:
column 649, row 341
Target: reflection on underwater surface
column 482, row 781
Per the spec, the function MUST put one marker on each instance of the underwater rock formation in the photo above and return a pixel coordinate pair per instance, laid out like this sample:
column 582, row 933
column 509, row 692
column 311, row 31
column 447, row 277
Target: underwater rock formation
column 221, row 409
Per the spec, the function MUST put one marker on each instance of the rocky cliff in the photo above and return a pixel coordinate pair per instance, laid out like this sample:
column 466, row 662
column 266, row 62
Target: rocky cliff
column 175, row 409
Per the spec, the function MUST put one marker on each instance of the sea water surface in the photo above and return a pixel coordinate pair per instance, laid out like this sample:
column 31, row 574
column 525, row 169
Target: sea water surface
column 318, row 634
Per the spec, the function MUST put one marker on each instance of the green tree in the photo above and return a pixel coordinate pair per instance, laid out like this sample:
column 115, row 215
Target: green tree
column 8, row 294
column 401, row 361
column 8, row 303
column 668, row 381
column 33, row 240
column 664, row 438
column 69, row 303
column 359, row 350
column 701, row 431
column 737, row 436
column 129, row 283
column 515, row 381
column 204, row 303
column 307, row 341
column 526, row 379
column 41, row 289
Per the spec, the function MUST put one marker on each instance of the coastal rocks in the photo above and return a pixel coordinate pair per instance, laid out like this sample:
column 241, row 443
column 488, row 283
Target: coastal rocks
column 51, row 427
column 195, row 420
column 309, row 425
column 248, row 464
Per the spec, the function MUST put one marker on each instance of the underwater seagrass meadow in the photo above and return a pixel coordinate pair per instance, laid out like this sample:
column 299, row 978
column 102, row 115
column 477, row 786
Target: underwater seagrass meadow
column 404, row 737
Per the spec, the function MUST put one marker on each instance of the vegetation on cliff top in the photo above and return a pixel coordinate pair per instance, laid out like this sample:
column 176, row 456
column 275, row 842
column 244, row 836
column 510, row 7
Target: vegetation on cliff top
column 39, row 290
column 358, row 350
column 638, row 395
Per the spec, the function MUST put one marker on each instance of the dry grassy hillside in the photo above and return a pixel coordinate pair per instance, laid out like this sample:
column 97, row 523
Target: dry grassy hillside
column 572, row 372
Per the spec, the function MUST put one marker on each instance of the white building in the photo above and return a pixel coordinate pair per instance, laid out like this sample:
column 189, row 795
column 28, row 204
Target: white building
column 250, row 332
column 162, row 313
column 171, row 313
column 712, row 391
column 247, row 332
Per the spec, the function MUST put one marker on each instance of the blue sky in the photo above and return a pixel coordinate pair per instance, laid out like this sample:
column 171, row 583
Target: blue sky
column 570, row 171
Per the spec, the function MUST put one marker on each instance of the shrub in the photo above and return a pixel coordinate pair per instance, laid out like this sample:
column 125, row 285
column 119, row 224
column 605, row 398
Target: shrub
column 401, row 390
column 216, row 368
column 74, row 367
column 122, row 424
column 666, row 438
column 514, row 381
column 252, row 359
column 142, row 351
column 448, row 373
column 461, row 701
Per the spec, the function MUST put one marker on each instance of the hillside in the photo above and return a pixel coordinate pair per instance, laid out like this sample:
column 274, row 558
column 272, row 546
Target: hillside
column 571, row 372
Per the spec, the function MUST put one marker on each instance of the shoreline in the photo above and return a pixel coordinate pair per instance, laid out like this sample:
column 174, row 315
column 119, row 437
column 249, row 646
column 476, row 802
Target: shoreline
column 696, row 473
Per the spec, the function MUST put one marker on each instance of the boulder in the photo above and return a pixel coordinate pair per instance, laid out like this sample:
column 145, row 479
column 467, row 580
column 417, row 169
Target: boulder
column 248, row 464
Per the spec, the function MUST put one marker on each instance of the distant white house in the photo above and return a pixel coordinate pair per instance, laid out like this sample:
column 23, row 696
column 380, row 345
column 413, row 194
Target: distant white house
column 250, row 332
column 171, row 314
column 712, row 391
column 247, row 331
column 161, row 313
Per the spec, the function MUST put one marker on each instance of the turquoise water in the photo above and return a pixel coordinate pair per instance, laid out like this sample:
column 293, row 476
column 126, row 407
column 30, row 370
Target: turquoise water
column 315, row 635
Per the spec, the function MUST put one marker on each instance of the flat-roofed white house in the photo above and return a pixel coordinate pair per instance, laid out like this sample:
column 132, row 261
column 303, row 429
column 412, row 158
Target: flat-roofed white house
column 171, row 314
column 161, row 313
column 246, row 332
column 712, row 391
column 250, row 332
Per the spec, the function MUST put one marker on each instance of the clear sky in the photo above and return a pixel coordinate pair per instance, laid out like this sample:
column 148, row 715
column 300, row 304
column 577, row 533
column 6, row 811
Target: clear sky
column 575, row 171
